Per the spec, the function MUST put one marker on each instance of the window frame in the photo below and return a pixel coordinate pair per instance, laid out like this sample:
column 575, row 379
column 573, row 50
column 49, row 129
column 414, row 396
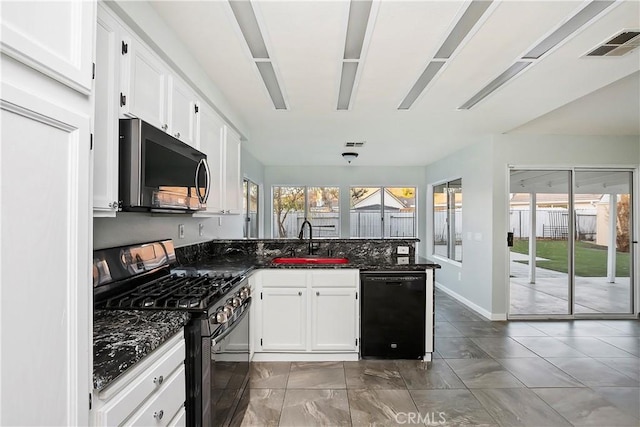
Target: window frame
column 450, row 216
column 383, row 190
column 306, row 210
column 246, row 208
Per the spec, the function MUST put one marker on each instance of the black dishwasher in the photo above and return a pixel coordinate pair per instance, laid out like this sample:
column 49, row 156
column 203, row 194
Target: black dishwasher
column 392, row 314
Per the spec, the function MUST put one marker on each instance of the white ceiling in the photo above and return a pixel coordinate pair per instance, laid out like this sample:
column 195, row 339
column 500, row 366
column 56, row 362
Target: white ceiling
column 562, row 93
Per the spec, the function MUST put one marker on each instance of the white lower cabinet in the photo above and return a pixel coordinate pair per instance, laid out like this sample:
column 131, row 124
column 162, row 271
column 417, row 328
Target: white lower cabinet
column 284, row 312
column 306, row 311
column 333, row 319
column 152, row 393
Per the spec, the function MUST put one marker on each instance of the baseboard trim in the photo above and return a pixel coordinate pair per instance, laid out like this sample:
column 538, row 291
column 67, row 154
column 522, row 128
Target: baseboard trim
column 304, row 357
column 473, row 306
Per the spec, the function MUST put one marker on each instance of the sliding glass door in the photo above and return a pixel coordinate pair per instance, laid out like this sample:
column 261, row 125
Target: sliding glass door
column 603, row 242
column 539, row 259
column 572, row 248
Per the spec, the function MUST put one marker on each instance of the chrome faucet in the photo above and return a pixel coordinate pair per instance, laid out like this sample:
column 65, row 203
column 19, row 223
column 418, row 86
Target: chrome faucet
column 301, row 235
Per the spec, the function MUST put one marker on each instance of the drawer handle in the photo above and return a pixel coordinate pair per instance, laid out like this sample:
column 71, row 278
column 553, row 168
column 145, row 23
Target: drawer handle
column 317, row 293
column 158, row 415
column 299, row 293
column 158, row 380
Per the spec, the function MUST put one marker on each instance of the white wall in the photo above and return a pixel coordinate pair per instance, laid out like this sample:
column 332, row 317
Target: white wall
column 471, row 279
column 345, row 177
column 482, row 278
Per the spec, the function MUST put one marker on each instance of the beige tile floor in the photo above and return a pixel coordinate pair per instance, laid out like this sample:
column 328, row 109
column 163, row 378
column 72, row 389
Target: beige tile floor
column 582, row 373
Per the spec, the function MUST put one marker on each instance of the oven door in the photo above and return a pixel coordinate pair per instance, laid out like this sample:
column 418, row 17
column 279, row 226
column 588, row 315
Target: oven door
column 230, row 371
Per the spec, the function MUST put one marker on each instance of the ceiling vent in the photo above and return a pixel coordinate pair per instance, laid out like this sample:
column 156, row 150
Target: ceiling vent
column 352, row 144
column 623, row 43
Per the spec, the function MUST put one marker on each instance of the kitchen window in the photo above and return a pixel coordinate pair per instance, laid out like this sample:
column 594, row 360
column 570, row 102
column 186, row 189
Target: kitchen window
column 382, row 212
column 250, row 208
column 320, row 205
column 447, row 220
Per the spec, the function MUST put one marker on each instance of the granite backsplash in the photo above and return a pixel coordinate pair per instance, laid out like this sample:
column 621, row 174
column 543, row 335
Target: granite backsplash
column 263, row 250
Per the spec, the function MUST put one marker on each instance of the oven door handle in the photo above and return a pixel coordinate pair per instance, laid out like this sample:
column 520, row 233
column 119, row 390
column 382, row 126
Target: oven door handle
column 217, row 339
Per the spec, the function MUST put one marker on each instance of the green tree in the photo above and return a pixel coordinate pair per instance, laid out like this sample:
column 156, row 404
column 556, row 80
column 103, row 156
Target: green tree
column 286, row 200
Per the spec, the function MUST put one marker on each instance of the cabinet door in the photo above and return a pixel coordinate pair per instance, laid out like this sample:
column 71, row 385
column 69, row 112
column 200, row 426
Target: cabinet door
column 211, row 143
column 182, row 112
column 333, row 319
column 145, row 84
column 55, row 38
column 106, row 95
column 233, row 177
column 284, row 312
column 45, row 207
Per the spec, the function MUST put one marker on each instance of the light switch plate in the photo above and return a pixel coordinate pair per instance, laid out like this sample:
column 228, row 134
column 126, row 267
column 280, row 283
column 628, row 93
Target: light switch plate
column 403, row 250
column 201, row 229
column 403, row 260
column 180, row 231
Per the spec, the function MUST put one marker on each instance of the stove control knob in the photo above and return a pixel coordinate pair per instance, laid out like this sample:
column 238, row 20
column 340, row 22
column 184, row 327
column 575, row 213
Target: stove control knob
column 245, row 292
column 235, row 302
column 220, row 317
column 228, row 309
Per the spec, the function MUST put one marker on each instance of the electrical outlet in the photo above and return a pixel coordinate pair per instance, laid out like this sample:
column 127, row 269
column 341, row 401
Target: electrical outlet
column 201, row 229
column 403, row 260
column 219, row 221
column 180, row 231
column 403, row 250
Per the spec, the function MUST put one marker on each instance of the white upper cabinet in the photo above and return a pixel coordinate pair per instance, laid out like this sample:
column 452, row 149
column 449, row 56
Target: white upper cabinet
column 107, row 96
column 154, row 94
column 144, row 84
column 183, row 112
column 212, row 144
column 222, row 147
column 232, row 172
column 55, row 38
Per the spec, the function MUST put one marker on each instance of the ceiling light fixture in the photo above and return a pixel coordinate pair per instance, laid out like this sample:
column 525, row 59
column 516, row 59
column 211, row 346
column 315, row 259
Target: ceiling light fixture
column 427, row 75
column 468, row 20
column 460, row 31
column 271, row 82
column 349, row 156
column 507, row 75
column 359, row 16
column 568, row 28
column 248, row 23
column 243, row 11
column 585, row 15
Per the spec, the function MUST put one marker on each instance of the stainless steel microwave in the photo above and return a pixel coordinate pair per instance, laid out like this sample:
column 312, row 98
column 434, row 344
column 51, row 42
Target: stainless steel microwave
column 159, row 173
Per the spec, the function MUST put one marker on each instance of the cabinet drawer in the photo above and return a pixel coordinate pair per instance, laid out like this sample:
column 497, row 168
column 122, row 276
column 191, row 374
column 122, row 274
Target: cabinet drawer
column 334, row 278
column 162, row 407
column 138, row 389
column 180, row 420
column 282, row 278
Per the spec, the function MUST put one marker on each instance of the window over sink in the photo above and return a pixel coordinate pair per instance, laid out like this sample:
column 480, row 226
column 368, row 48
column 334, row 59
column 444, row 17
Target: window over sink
column 382, row 212
column 319, row 205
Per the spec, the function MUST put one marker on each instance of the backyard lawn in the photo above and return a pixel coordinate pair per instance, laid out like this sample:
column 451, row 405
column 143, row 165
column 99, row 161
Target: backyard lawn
column 591, row 259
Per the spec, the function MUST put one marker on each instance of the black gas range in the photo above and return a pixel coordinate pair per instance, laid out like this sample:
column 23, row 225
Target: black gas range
column 145, row 277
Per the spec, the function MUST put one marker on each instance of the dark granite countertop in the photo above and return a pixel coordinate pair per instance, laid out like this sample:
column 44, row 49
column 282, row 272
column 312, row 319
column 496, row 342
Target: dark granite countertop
column 122, row 338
